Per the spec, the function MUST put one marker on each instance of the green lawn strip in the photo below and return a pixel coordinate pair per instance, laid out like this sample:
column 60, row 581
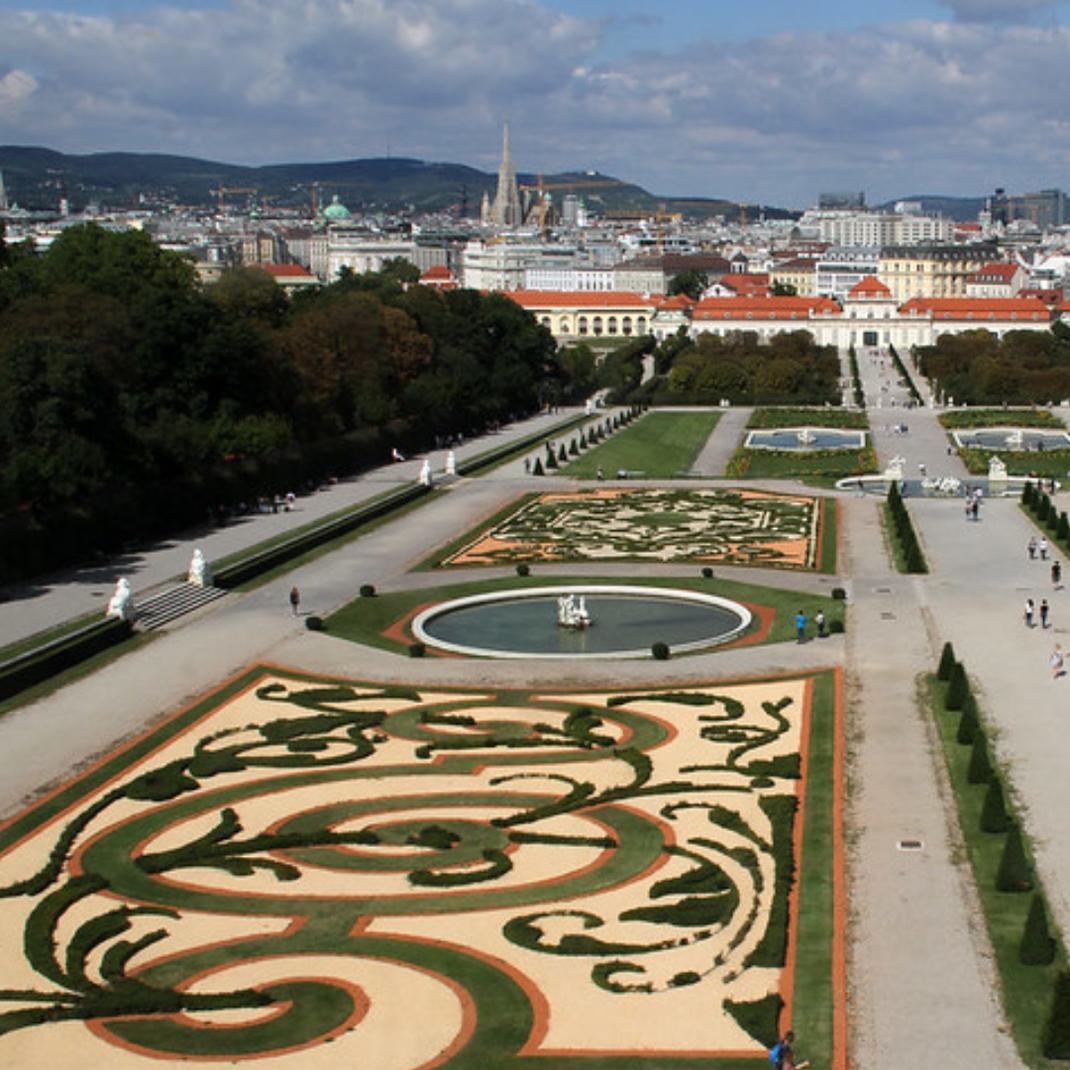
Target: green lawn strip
column 662, row 445
column 825, row 466
column 846, row 419
column 1051, row 464
column 1026, row 990
column 814, row 1010
column 828, row 545
column 980, row 418
column 365, row 619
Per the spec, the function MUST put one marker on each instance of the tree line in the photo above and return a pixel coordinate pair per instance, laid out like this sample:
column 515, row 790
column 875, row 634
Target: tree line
column 134, row 399
column 1021, row 368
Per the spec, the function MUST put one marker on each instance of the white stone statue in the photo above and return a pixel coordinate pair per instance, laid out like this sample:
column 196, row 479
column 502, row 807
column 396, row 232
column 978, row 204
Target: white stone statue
column 1015, row 439
column 895, row 469
column 572, row 613
column 425, row 474
column 805, row 437
column 451, row 463
column 122, row 601
column 200, row 575
column 997, row 470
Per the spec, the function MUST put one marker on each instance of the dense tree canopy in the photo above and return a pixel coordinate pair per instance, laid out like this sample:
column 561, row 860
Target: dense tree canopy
column 977, row 368
column 118, row 369
column 788, row 369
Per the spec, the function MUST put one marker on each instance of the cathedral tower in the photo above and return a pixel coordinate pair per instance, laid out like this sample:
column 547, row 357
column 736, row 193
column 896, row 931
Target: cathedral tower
column 506, row 210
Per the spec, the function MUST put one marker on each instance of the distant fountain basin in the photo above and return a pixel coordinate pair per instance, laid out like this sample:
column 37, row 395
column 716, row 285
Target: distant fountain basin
column 1012, row 438
column 625, row 622
column 805, row 439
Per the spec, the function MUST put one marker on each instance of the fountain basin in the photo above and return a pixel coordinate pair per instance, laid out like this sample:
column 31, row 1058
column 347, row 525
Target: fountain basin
column 1012, row 439
column 805, row 439
column 625, row 622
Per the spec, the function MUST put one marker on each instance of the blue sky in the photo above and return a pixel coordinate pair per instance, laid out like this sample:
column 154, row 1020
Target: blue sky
column 768, row 101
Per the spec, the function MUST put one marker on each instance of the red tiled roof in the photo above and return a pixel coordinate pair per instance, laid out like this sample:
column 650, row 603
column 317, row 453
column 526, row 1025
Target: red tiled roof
column 547, row 299
column 286, row 271
column 762, row 307
column 1005, row 272
column 870, row 286
column 680, row 301
column 978, row 308
column 439, row 271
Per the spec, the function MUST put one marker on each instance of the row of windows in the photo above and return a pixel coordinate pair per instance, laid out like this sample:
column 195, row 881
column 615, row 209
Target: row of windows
column 598, row 325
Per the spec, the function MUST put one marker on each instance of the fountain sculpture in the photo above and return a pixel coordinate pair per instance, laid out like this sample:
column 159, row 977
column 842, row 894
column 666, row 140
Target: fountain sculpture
column 572, row 612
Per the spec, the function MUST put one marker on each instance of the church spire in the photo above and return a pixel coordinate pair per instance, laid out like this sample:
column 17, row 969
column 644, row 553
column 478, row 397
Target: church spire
column 507, row 210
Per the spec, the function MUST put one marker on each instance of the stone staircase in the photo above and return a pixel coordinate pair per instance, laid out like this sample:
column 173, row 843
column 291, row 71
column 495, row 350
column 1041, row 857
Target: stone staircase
column 171, row 603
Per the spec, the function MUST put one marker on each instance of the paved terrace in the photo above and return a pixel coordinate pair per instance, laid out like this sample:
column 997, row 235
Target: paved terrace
column 919, row 977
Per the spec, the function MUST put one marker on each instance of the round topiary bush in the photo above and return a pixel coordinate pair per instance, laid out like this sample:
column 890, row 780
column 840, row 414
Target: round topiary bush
column 417, row 650
column 840, row 593
column 367, row 590
column 707, row 573
column 523, row 569
column 314, row 623
column 836, row 627
column 660, row 651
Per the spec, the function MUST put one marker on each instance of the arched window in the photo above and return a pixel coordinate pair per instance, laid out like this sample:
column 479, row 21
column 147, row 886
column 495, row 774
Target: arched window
column 583, row 324
column 596, row 325
column 626, row 325
column 611, row 325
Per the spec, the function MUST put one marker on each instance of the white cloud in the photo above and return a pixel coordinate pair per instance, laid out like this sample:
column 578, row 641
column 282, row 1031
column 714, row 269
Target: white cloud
column 903, row 108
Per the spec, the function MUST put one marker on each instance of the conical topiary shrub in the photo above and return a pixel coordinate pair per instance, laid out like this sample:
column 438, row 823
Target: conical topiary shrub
column 994, row 817
column 1015, row 874
column 537, row 468
column 958, row 687
column 1056, row 1043
column 969, row 722
column 1037, row 947
column 947, row 662
column 979, row 771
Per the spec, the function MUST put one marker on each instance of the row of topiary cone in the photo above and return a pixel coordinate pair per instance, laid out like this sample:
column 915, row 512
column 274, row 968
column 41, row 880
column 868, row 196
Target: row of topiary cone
column 1015, row 874
column 590, row 436
column 902, row 527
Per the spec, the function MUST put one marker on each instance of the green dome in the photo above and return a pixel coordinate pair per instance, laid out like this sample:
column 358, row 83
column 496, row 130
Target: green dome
column 336, row 210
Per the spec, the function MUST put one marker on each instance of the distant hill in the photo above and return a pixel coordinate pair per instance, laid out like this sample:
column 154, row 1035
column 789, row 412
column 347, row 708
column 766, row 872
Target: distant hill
column 36, row 179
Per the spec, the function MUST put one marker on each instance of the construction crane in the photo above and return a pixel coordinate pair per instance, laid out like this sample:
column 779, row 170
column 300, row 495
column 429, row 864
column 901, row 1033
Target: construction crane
column 542, row 188
column 222, row 192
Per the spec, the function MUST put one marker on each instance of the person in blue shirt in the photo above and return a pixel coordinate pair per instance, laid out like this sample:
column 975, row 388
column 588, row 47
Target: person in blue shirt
column 800, row 626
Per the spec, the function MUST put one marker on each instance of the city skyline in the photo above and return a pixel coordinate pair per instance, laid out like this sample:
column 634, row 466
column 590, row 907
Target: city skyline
column 774, row 105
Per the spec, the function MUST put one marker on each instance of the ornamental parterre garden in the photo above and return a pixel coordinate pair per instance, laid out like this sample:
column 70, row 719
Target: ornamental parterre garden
column 655, row 524
column 302, row 871
column 320, row 872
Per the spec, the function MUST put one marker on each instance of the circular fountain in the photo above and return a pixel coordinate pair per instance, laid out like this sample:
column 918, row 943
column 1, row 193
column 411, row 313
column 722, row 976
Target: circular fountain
column 619, row 622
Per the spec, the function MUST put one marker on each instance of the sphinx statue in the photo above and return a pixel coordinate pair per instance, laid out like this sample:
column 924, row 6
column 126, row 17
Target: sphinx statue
column 121, row 605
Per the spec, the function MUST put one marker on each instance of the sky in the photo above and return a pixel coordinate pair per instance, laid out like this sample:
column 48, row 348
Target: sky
column 764, row 102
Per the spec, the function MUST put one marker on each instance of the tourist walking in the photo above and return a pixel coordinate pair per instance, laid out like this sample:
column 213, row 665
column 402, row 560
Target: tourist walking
column 1027, row 612
column 1042, row 548
column 1043, row 613
column 1056, row 574
column 1057, row 662
column 819, row 620
column 295, row 600
column 782, row 1055
column 1031, row 548
column 800, row 626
